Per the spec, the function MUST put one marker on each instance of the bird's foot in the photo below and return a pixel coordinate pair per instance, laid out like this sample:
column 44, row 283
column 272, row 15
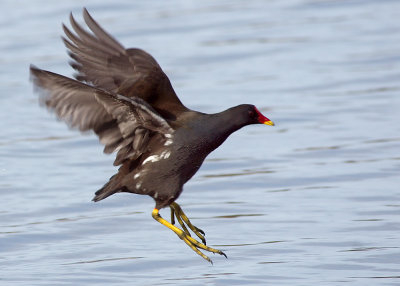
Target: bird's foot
column 190, row 241
column 176, row 211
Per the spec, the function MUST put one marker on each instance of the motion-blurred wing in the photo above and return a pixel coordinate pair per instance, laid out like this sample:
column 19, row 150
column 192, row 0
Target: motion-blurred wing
column 123, row 124
column 103, row 62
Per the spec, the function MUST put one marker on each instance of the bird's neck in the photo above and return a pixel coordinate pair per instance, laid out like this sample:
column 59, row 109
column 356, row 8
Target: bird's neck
column 224, row 124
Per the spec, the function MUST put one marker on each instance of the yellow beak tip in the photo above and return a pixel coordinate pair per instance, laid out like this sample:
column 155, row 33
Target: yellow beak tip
column 269, row 123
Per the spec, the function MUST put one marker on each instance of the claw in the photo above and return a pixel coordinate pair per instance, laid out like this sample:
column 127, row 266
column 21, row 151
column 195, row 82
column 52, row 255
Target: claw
column 177, row 211
column 184, row 234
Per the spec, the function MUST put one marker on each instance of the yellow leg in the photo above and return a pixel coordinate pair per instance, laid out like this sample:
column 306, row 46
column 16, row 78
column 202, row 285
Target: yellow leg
column 180, row 215
column 191, row 242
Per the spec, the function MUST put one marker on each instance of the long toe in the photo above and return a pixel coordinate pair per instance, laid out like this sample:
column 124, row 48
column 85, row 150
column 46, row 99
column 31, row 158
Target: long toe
column 185, row 236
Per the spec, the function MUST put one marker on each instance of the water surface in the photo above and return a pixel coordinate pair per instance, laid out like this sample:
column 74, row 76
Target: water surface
column 312, row 201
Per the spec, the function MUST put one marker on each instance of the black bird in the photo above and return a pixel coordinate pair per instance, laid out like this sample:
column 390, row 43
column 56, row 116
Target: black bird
column 128, row 101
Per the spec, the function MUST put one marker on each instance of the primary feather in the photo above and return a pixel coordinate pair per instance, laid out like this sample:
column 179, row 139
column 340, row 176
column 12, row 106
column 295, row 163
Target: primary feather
column 123, row 124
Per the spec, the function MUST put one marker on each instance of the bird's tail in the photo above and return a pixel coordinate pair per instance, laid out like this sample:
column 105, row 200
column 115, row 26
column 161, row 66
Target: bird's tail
column 113, row 186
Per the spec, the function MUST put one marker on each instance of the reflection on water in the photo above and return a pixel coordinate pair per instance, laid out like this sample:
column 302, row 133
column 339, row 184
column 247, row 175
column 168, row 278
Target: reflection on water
column 103, row 260
column 313, row 200
column 237, row 215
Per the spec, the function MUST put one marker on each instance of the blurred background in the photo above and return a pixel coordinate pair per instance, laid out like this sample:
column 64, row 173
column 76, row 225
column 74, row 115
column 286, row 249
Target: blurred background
column 314, row 200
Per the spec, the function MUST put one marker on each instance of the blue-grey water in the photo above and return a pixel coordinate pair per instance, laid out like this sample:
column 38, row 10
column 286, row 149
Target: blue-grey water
column 314, row 200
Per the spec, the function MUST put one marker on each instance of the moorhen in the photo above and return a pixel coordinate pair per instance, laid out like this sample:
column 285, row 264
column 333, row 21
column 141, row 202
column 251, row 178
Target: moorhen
column 128, row 101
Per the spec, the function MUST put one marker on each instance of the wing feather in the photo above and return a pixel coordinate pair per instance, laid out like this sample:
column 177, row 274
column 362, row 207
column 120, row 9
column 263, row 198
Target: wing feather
column 103, row 62
column 123, row 124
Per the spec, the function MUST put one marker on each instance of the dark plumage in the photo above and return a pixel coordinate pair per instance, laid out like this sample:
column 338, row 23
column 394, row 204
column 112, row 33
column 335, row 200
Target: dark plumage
column 127, row 100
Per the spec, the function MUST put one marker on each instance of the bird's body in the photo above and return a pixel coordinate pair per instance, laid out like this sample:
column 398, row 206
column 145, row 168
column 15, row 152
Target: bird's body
column 174, row 162
column 127, row 100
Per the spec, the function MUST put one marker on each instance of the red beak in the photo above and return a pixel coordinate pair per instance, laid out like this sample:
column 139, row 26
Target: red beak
column 262, row 119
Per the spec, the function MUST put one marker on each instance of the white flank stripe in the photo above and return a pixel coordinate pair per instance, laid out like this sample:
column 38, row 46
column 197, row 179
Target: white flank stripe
column 153, row 158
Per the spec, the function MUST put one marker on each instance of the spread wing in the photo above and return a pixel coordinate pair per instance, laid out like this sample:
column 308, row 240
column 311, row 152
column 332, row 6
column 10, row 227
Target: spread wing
column 123, row 124
column 104, row 63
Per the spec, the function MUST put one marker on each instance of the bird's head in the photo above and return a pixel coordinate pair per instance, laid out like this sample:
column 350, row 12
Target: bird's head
column 256, row 117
